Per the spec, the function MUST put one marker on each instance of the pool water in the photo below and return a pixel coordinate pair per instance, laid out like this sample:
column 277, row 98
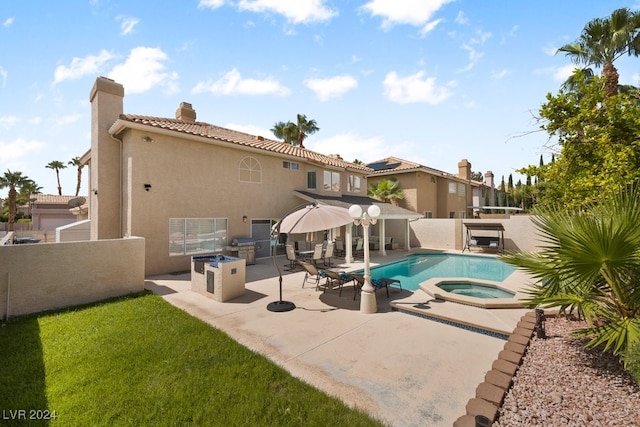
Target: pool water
column 476, row 290
column 417, row 268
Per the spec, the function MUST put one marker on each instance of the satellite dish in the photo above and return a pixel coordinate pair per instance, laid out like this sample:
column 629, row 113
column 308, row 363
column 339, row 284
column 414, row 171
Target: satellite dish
column 76, row 202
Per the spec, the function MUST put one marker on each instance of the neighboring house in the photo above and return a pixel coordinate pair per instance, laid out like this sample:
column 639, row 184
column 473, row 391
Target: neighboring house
column 189, row 187
column 427, row 191
column 50, row 211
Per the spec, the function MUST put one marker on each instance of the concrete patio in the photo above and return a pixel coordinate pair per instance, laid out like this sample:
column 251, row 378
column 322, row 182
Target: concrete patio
column 403, row 369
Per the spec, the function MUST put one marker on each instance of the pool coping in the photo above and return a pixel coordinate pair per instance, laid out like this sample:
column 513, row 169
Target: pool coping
column 430, row 286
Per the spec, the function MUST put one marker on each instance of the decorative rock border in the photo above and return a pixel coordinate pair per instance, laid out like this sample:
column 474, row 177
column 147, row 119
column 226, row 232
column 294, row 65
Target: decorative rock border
column 482, row 410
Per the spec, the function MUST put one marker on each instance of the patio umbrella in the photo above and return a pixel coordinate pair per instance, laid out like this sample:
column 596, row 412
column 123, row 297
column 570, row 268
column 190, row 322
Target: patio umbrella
column 309, row 218
column 314, row 218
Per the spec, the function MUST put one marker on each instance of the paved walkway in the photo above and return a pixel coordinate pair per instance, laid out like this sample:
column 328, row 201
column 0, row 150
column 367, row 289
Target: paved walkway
column 402, row 369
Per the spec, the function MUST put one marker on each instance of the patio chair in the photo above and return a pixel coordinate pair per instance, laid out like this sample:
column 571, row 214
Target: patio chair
column 311, row 275
column 291, row 257
column 359, row 250
column 377, row 284
column 317, row 254
column 339, row 247
column 358, row 283
column 328, row 253
column 334, row 279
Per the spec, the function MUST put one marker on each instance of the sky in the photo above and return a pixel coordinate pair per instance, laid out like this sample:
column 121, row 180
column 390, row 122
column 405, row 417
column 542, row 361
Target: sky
column 429, row 81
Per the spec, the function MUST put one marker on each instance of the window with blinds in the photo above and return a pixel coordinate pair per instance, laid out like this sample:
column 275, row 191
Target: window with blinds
column 189, row 236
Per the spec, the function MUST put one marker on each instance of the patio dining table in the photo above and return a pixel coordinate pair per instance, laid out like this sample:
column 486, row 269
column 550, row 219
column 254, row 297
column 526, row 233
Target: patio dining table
column 305, row 254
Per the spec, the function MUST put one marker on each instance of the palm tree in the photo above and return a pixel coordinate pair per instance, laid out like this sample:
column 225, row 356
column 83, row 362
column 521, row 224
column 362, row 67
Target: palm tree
column 13, row 180
column 57, row 165
column 295, row 133
column 603, row 40
column 286, row 131
column 27, row 189
column 590, row 264
column 79, row 165
column 386, row 190
column 305, row 128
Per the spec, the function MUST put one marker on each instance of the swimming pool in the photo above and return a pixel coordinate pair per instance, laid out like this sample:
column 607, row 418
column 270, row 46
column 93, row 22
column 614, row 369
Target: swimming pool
column 417, row 268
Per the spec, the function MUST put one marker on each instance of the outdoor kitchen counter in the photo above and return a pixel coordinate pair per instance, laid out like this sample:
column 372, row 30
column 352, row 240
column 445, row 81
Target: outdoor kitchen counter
column 219, row 277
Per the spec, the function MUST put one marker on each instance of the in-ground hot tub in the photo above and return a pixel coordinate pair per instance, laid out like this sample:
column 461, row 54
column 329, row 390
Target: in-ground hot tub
column 479, row 293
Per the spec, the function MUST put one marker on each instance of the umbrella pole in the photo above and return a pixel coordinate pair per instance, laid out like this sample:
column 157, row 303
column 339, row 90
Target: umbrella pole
column 280, row 305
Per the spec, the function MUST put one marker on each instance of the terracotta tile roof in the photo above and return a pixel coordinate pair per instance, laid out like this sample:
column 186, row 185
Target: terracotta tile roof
column 395, row 164
column 242, row 139
column 51, row 199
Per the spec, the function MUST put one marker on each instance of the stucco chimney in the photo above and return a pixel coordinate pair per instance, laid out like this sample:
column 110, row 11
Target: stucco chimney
column 488, row 181
column 106, row 99
column 186, row 113
column 464, row 169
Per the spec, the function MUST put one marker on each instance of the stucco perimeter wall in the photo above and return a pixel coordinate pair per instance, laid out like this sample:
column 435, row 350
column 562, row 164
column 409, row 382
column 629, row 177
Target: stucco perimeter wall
column 434, row 233
column 520, row 234
column 47, row 276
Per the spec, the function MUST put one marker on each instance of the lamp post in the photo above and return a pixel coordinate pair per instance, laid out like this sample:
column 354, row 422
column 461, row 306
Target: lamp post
column 368, row 302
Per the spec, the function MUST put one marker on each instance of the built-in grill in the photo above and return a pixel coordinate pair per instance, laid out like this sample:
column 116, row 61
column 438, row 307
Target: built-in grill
column 245, row 248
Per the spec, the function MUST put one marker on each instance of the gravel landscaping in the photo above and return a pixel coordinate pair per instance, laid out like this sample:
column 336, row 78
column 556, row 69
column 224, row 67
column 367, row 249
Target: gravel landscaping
column 562, row 384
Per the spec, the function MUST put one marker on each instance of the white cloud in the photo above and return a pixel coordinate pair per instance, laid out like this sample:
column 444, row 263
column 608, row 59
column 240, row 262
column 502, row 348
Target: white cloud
column 68, row 119
column 82, row 66
column 474, row 57
column 429, row 27
column 143, row 70
column 18, row 148
column 500, row 74
column 210, row 4
column 414, row 88
column 461, row 18
column 550, row 50
column 350, row 146
column 412, row 12
column 7, row 22
column 481, row 39
column 563, row 73
column 3, row 74
column 232, row 83
column 127, row 23
column 296, row 11
column 332, row 87
column 7, row 121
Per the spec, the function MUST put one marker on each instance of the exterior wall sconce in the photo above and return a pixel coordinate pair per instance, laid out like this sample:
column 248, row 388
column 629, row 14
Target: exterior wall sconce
column 147, row 187
column 147, row 138
column 95, row 191
column 244, row 218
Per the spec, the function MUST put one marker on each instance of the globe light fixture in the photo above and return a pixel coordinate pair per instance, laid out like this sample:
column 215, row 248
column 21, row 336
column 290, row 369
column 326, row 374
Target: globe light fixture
column 368, row 303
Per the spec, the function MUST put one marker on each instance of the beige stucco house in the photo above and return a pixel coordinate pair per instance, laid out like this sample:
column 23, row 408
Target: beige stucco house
column 189, row 187
column 49, row 211
column 427, row 191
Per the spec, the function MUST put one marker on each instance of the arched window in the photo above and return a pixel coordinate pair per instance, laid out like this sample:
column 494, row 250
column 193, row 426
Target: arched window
column 250, row 170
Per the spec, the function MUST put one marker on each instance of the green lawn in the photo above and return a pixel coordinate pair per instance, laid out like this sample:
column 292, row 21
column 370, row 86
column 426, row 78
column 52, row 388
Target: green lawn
column 140, row 361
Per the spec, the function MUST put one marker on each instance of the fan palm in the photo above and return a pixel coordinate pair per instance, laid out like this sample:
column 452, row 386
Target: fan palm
column 13, row 180
column 387, row 190
column 305, row 128
column 286, row 131
column 603, row 40
column 57, row 165
column 27, row 189
column 79, row 165
column 590, row 264
column 295, row 133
